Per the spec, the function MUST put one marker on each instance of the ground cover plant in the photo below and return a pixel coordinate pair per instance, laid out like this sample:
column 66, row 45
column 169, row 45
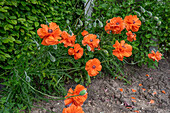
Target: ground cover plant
column 69, row 48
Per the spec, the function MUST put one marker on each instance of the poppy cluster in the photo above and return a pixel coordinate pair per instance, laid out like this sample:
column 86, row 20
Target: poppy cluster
column 50, row 35
column 155, row 56
column 67, row 39
column 75, row 99
column 77, row 51
column 90, row 40
column 122, row 50
column 132, row 23
column 131, row 36
column 114, row 25
column 93, row 67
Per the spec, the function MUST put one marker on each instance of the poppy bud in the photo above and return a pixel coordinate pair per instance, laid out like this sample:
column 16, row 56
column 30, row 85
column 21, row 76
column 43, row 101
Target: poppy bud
column 52, row 58
column 94, row 24
column 142, row 9
column 67, row 21
column 137, row 13
column 100, row 24
column 149, row 13
column 159, row 23
column 156, row 18
column 80, row 22
column 83, row 92
column 106, row 52
column 143, row 19
column 55, row 46
column 88, row 48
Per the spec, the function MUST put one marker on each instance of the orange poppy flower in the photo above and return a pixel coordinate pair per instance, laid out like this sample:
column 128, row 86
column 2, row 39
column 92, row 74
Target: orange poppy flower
column 73, row 109
column 122, row 50
column 152, row 102
column 147, row 75
column 131, row 36
column 67, row 39
column 136, row 111
column 91, row 40
column 140, row 84
column 50, row 35
column 143, row 89
column 163, row 91
column 154, row 93
column 133, row 90
column 114, row 25
column 84, row 33
column 132, row 23
column 133, row 98
column 77, row 99
column 93, row 67
column 69, row 100
column 77, row 51
column 121, row 89
column 155, row 56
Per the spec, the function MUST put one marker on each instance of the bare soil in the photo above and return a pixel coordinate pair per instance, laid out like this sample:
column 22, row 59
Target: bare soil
column 104, row 95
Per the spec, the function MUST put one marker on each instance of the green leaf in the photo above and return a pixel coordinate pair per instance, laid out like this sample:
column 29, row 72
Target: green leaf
column 7, row 55
column 18, row 41
column 3, row 10
column 13, row 17
column 76, row 80
column 21, row 19
column 8, row 27
column 13, row 22
column 148, row 35
column 2, row 16
column 36, row 24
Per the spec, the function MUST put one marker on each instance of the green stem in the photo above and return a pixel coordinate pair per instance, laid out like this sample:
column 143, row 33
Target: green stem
column 89, row 79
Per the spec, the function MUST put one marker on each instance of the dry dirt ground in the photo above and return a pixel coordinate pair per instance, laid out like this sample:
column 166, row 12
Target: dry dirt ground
column 104, row 95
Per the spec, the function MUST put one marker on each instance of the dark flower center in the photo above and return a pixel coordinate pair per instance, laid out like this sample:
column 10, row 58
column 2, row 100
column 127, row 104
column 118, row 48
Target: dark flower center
column 123, row 46
column 108, row 21
column 133, row 33
column 133, row 22
column 77, row 51
column 91, row 40
column 117, row 23
column 93, row 66
column 50, row 31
